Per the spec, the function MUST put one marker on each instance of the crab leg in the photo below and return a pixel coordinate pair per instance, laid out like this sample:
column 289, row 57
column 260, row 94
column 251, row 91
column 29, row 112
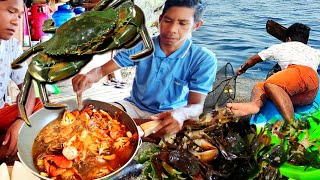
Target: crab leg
column 133, row 41
column 43, row 93
column 101, row 5
column 23, row 97
column 148, row 44
column 208, row 155
column 45, row 98
column 26, row 54
column 107, row 3
column 128, row 36
column 122, row 36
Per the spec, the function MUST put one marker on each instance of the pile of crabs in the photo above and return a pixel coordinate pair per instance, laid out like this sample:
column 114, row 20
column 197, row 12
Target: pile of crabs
column 222, row 147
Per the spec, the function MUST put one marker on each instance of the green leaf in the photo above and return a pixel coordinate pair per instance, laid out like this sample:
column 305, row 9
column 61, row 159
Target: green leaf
column 315, row 120
column 147, row 155
column 164, row 176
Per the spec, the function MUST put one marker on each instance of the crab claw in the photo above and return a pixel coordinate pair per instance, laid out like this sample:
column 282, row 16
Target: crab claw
column 62, row 161
column 170, row 169
column 59, row 161
column 16, row 66
column 204, row 144
column 207, row 156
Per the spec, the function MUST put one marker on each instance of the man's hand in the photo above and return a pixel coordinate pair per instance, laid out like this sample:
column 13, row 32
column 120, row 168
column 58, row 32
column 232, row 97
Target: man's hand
column 240, row 71
column 11, row 137
column 82, row 82
column 171, row 122
column 250, row 62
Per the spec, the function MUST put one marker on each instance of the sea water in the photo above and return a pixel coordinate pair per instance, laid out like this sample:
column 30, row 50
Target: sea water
column 235, row 29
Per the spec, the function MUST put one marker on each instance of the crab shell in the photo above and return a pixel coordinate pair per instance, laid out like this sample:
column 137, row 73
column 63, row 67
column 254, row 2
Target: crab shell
column 89, row 31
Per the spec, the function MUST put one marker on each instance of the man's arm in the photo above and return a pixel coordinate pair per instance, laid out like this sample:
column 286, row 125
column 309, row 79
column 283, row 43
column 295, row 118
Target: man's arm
column 172, row 121
column 11, row 137
column 194, row 107
column 253, row 60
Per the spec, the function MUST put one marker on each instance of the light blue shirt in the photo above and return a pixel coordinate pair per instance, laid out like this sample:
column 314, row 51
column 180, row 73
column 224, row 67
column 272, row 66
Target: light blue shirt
column 163, row 83
column 9, row 51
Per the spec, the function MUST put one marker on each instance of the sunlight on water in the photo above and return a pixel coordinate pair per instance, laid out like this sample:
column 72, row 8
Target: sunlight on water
column 149, row 8
column 235, row 31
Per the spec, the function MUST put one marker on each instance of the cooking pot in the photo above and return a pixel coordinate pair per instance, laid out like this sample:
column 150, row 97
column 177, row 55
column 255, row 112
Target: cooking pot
column 44, row 116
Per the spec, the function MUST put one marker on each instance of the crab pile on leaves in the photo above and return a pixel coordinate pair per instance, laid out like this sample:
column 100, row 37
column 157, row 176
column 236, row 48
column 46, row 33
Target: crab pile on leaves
column 222, row 147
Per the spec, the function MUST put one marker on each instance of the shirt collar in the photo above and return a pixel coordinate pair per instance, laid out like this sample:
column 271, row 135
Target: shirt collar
column 179, row 53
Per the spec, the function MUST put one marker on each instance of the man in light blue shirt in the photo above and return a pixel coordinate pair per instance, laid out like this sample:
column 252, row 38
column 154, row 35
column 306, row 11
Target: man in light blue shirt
column 171, row 84
column 163, row 83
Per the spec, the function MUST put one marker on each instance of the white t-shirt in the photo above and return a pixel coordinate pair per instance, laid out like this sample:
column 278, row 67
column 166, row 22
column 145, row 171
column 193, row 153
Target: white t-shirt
column 9, row 51
column 293, row 52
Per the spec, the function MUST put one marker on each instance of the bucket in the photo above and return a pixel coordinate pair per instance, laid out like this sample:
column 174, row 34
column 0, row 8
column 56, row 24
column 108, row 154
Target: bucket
column 79, row 10
column 63, row 14
column 39, row 13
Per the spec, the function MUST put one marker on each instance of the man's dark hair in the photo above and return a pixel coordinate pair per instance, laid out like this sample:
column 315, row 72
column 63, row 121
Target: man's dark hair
column 197, row 5
column 298, row 32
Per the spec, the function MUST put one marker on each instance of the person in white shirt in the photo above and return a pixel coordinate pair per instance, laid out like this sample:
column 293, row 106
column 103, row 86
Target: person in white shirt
column 297, row 82
column 11, row 11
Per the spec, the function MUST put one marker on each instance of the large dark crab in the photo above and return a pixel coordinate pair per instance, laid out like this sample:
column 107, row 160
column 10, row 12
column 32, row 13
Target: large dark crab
column 112, row 24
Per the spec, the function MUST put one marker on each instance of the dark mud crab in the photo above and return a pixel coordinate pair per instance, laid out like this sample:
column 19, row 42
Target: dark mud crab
column 112, row 24
column 220, row 146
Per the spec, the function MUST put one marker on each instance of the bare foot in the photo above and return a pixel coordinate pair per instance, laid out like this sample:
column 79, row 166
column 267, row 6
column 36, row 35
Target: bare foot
column 243, row 109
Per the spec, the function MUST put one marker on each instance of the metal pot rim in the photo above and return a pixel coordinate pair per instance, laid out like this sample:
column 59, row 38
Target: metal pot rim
column 25, row 132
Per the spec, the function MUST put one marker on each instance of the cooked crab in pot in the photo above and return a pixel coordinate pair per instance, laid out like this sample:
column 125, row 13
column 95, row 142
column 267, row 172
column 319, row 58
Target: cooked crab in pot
column 86, row 144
